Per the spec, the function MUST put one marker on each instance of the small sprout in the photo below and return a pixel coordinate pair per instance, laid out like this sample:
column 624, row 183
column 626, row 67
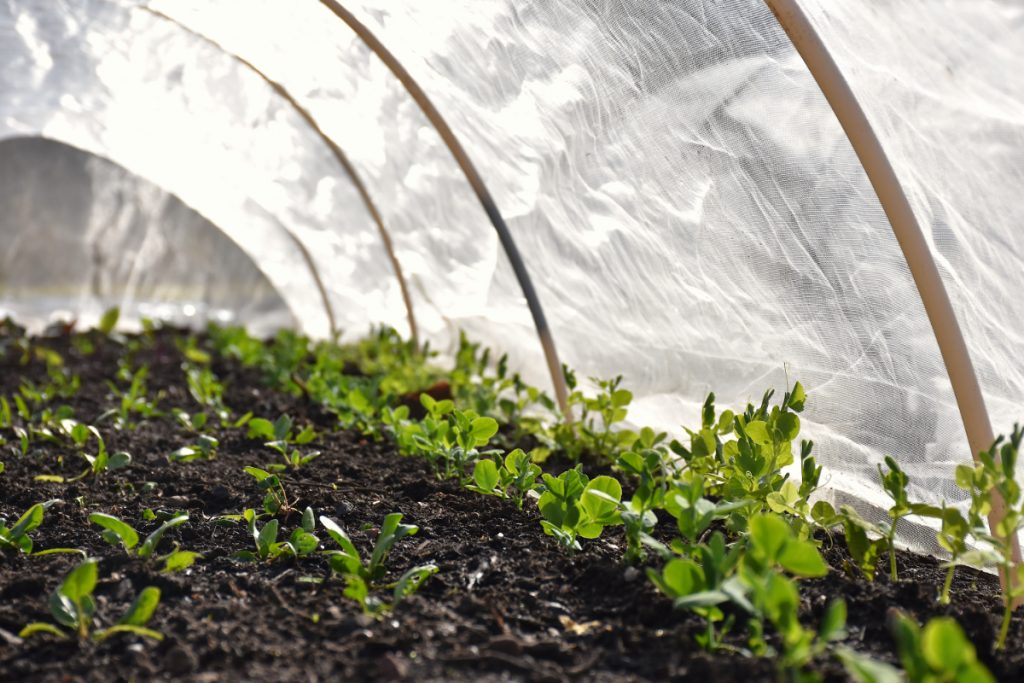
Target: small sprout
column 279, row 437
column 108, row 321
column 301, row 543
column 275, row 500
column 361, row 576
column 116, row 532
column 16, row 538
column 205, row 448
column 73, row 606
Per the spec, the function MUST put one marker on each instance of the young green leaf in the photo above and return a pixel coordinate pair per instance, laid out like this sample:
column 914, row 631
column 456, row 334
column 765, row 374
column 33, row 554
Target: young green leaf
column 115, row 530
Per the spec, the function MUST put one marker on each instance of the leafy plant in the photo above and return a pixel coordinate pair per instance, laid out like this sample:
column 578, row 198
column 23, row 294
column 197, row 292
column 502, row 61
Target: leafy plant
column 72, row 605
column 117, row 532
column 16, row 538
column 514, row 478
column 205, row 448
column 80, row 435
column 302, row 542
column 133, row 400
column 995, row 475
column 361, row 576
column 275, row 499
column 938, row 653
column 281, row 437
column 573, row 505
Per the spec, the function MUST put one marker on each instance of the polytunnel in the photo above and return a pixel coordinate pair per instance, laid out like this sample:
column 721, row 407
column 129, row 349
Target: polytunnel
column 684, row 189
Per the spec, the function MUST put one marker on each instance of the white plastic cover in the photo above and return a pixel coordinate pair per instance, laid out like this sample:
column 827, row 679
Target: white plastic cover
column 689, row 208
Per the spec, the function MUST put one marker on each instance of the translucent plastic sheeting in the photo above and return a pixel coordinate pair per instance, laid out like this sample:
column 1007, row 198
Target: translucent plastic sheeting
column 167, row 106
column 688, row 206
column 81, row 234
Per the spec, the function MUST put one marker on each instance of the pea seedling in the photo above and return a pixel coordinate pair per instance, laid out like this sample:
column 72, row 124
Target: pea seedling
column 281, row 437
column 205, row 448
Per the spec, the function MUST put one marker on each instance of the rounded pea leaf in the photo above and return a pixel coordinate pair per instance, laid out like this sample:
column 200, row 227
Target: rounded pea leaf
column 944, row 645
column 601, row 498
column 483, row 428
column 802, row 558
column 485, row 474
column 769, row 534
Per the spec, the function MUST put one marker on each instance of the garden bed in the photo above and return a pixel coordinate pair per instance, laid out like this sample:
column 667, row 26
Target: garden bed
column 506, row 603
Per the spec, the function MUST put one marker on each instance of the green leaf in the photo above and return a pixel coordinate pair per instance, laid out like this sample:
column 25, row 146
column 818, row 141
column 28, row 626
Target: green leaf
column 485, row 474
column 482, row 429
column 256, row 472
column 411, row 581
column 769, row 533
column 681, row 578
column 864, row 669
column 142, row 607
column 266, row 538
column 153, row 540
column 80, row 582
column 41, row 627
column 260, row 428
column 55, row 551
column 128, row 628
column 29, row 521
column 108, row 321
column 833, row 624
column 308, row 520
column 127, row 535
column 303, row 542
column 180, row 560
column 601, row 497
column 944, row 645
column 797, row 398
column 802, row 558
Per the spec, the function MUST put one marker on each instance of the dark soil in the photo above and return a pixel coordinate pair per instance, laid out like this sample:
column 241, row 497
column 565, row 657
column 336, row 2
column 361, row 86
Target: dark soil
column 506, row 604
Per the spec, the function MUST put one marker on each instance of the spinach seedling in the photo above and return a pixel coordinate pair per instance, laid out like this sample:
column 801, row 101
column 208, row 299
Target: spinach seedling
column 16, row 538
column 301, row 543
column 205, row 448
column 275, row 500
column 73, row 606
column 80, row 434
column 361, row 576
column 117, row 532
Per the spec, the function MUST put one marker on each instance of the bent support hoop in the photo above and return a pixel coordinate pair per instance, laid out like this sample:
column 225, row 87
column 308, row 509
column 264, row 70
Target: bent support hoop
column 483, row 195
column 346, row 165
column 907, row 231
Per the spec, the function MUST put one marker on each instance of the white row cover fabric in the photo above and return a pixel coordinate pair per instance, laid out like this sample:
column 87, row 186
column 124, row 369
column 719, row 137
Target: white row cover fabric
column 691, row 212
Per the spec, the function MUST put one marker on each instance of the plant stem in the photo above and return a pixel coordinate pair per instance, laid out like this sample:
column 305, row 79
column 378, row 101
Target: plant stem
column 1004, row 628
column 944, row 598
